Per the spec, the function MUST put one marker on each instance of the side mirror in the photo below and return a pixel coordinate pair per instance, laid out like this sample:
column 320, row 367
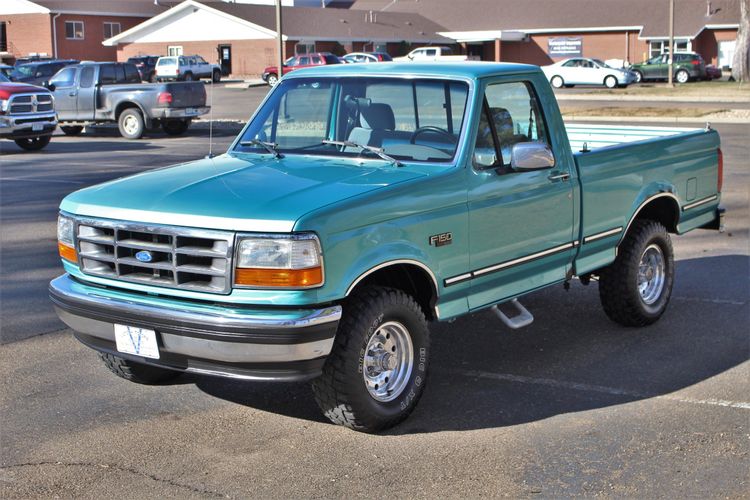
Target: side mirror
column 531, row 156
column 49, row 85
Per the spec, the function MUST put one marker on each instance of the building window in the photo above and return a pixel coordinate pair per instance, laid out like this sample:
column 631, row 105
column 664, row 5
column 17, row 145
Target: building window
column 3, row 38
column 174, row 50
column 304, row 48
column 659, row 47
column 74, row 30
column 111, row 29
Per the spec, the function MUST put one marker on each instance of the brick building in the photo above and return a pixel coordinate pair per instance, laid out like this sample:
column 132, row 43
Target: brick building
column 71, row 29
column 246, row 33
column 544, row 31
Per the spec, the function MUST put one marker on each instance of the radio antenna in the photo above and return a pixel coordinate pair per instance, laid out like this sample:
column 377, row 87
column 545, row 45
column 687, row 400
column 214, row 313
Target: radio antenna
column 211, row 120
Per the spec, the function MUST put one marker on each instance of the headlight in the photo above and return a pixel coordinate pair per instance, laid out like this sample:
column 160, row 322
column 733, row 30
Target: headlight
column 285, row 261
column 4, row 105
column 65, row 232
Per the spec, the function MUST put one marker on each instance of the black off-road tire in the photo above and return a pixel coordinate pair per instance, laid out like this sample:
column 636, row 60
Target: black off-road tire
column 71, row 129
column 341, row 391
column 136, row 372
column 33, row 143
column 131, row 124
column 618, row 283
column 175, row 127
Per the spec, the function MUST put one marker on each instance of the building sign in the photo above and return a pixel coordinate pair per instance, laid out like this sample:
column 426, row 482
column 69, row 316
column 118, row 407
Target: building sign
column 565, row 47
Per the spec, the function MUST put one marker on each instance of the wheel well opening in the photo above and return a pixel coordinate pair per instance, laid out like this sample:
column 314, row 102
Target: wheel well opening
column 123, row 106
column 664, row 210
column 409, row 278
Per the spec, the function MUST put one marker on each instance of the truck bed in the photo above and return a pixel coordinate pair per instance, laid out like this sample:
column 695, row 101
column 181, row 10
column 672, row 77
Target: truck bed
column 601, row 136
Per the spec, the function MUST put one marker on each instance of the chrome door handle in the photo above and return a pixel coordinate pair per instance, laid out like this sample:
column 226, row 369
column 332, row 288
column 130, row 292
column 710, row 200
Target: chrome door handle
column 559, row 177
column 73, row 94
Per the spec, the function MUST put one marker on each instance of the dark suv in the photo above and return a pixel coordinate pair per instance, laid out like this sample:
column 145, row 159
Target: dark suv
column 687, row 66
column 36, row 73
column 146, row 67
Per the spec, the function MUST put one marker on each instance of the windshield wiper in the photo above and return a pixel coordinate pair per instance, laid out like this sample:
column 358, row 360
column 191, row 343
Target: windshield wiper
column 271, row 147
column 365, row 147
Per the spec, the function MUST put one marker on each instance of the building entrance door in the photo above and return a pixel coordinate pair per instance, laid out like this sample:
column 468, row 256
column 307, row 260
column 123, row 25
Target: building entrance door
column 225, row 59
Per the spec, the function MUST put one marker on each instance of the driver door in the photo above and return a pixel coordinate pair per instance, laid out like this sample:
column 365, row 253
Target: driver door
column 520, row 221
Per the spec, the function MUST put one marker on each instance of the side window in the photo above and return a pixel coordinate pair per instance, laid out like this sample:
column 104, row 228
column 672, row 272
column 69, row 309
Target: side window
column 107, row 74
column 87, row 77
column 511, row 115
column 431, row 52
column 571, row 64
column 316, row 60
column 65, row 78
column 303, row 61
column 131, row 74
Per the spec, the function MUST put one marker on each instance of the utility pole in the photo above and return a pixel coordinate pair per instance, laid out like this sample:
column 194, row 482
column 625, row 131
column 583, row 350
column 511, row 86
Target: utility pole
column 280, row 60
column 671, row 44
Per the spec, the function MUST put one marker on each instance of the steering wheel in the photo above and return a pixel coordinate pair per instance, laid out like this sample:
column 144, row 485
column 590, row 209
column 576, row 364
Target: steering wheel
column 431, row 128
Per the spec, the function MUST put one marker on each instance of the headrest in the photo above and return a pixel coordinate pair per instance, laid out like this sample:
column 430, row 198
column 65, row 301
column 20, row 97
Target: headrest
column 503, row 121
column 378, row 116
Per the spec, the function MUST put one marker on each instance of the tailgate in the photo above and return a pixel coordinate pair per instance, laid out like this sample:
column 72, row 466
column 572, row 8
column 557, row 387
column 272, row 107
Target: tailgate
column 186, row 94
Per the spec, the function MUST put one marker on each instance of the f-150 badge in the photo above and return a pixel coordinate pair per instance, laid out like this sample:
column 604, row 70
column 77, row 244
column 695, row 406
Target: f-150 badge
column 439, row 240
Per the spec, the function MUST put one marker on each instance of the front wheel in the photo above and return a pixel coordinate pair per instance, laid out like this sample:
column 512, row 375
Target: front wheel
column 635, row 289
column 557, row 81
column 638, row 76
column 272, row 80
column 610, row 82
column 682, row 76
column 377, row 370
column 216, row 76
column 33, row 143
column 136, row 372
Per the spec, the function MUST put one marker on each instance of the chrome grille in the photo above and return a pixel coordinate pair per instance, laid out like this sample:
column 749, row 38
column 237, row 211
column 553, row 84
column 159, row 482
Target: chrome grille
column 31, row 103
column 174, row 257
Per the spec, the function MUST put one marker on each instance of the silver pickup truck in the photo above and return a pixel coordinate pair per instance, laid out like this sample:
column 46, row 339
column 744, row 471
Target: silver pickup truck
column 90, row 93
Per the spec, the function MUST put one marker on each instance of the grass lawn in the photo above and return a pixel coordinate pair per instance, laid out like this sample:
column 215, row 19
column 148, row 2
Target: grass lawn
column 639, row 111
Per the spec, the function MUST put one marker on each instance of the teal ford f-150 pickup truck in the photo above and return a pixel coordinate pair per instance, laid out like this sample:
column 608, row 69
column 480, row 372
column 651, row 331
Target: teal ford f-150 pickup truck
column 361, row 203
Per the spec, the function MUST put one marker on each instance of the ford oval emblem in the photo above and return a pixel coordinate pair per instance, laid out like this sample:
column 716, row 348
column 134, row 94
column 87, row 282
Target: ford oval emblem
column 144, row 256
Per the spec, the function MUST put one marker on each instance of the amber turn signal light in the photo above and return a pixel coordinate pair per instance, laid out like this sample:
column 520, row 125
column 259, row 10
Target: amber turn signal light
column 286, row 278
column 66, row 252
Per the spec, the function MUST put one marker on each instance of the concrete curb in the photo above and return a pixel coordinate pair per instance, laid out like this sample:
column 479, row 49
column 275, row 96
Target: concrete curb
column 246, row 84
column 652, row 119
column 648, row 98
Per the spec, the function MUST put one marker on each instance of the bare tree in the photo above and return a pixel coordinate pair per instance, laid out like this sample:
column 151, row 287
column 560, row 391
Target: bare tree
column 741, row 62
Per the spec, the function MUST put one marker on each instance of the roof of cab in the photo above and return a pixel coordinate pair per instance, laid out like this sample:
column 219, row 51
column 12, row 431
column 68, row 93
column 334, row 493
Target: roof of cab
column 462, row 69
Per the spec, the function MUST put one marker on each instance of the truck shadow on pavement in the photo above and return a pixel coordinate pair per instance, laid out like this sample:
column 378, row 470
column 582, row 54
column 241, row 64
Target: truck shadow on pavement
column 571, row 359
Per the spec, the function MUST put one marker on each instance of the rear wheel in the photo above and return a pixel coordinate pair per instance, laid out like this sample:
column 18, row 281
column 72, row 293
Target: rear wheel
column 682, row 76
column 216, row 76
column 557, row 81
column 131, row 124
column 33, row 143
column 638, row 76
column 175, row 127
column 136, row 372
column 377, row 369
column 71, row 129
column 610, row 82
column 635, row 289
column 189, row 77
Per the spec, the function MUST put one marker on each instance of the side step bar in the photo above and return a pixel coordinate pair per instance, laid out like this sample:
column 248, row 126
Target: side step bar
column 523, row 318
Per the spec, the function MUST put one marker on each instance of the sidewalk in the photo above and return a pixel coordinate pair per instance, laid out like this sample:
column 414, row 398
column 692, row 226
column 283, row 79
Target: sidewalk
column 648, row 98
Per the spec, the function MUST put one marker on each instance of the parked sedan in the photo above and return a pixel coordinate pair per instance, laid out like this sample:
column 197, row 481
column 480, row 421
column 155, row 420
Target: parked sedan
column 583, row 71
column 366, row 57
column 712, row 72
column 271, row 73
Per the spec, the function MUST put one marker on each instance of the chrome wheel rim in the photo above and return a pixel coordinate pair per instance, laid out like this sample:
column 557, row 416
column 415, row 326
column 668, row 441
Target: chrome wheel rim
column 651, row 274
column 610, row 82
column 272, row 80
column 130, row 124
column 388, row 361
column 682, row 77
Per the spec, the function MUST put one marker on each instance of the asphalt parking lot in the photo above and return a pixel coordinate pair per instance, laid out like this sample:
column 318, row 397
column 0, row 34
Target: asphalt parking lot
column 572, row 405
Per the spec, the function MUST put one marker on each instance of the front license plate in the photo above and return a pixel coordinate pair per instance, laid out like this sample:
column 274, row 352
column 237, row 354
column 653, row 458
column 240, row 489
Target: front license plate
column 138, row 341
column 37, row 127
column 191, row 111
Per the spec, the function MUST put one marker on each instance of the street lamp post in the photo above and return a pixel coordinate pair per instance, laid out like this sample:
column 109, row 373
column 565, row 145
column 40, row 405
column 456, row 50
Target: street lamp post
column 671, row 44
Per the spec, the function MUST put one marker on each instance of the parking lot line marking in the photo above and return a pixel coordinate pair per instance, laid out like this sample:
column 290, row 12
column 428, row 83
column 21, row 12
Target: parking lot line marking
column 560, row 384
column 29, row 179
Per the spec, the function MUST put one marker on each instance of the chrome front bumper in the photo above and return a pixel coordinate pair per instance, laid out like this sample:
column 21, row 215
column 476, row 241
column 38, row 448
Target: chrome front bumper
column 21, row 126
column 230, row 341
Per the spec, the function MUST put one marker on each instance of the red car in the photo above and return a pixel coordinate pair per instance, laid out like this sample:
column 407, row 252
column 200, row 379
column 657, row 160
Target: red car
column 271, row 73
column 712, row 72
column 27, row 114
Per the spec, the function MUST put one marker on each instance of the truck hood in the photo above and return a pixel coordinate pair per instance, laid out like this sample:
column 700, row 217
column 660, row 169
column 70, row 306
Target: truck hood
column 235, row 192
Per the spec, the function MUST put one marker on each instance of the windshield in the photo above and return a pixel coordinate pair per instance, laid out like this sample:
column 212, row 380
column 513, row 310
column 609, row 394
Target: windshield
column 602, row 63
column 23, row 71
column 410, row 120
column 3, row 78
